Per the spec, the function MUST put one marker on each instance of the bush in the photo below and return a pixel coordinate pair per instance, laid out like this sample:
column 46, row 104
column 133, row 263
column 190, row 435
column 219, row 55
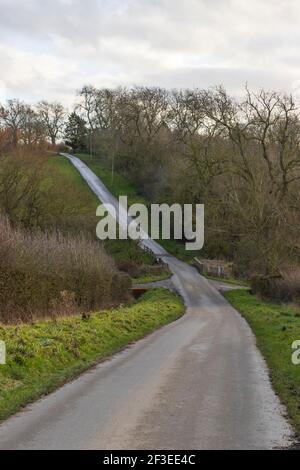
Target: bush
column 291, row 282
column 39, row 192
column 269, row 288
column 49, row 274
column 282, row 288
column 248, row 259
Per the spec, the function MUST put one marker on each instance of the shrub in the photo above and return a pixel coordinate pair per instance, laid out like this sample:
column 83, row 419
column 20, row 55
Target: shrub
column 291, row 281
column 38, row 192
column 282, row 288
column 269, row 288
column 248, row 259
column 44, row 273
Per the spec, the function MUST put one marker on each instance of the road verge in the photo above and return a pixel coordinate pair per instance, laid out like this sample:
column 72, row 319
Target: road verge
column 45, row 354
column 276, row 327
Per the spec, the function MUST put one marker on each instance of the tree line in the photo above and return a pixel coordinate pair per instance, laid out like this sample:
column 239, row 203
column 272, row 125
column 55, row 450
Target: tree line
column 240, row 157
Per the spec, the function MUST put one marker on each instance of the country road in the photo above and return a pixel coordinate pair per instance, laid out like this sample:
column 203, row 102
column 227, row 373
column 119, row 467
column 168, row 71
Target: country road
column 198, row 383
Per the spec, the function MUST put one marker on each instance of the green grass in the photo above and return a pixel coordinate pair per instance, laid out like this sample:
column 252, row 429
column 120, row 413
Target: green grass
column 118, row 185
column 43, row 355
column 178, row 249
column 127, row 250
column 276, row 327
column 72, row 177
column 151, row 278
column 228, row 280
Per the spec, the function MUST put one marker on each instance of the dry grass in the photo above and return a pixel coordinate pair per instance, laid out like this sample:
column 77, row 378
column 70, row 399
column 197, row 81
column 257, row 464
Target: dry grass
column 291, row 282
column 282, row 288
column 44, row 275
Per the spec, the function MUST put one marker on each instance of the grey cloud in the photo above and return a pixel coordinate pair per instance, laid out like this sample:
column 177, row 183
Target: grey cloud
column 54, row 47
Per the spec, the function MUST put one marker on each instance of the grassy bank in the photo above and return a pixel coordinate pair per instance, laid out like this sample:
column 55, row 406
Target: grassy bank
column 70, row 176
column 118, row 185
column 128, row 255
column 151, row 278
column 228, row 280
column 276, row 327
column 43, row 355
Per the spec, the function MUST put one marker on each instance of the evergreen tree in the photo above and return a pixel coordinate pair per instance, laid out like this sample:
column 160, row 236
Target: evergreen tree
column 76, row 133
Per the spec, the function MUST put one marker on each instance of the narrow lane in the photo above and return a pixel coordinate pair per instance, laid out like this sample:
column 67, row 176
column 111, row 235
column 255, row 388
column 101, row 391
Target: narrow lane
column 199, row 383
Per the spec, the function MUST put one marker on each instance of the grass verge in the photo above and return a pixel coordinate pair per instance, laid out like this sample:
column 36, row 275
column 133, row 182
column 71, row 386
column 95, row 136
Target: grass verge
column 276, row 327
column 228, row 280
column 87, row 201
column 151, row 278
column 71, row 175
column 43, row 355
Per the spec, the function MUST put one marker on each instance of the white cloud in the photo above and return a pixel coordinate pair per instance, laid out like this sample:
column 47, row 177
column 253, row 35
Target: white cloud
column 51, row 48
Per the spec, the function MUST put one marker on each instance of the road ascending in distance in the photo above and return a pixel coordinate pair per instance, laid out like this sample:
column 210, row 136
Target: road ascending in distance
column 198, row 383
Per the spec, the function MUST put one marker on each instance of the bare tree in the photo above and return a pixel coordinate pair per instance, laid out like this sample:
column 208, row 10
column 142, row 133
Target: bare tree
column 52, row 116
column 12, row 116
column 33, row 132
column 265, row 134
column 197, row 137
column 274, row 126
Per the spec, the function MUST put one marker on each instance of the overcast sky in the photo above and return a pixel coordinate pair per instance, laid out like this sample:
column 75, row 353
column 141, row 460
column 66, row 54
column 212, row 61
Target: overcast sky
column 51, row 48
